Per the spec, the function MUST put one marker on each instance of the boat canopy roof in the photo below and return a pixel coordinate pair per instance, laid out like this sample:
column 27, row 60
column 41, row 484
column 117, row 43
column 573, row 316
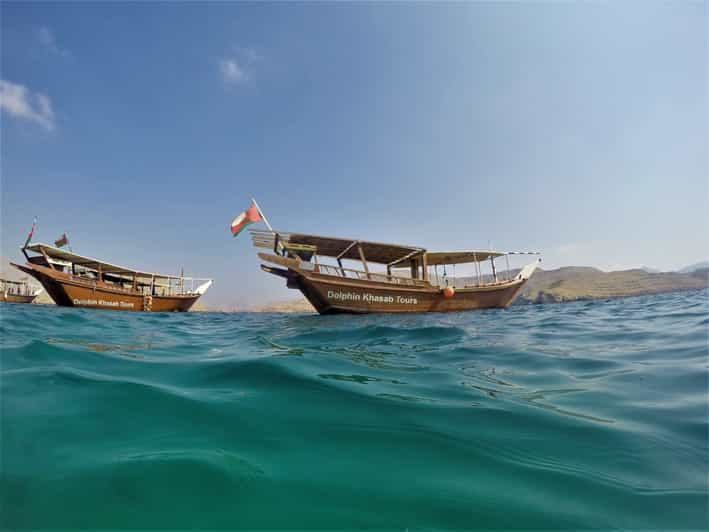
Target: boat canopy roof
column 390, row 254
column 93, row 264
column 10, row 281
column 339, row 248
column 460, row 257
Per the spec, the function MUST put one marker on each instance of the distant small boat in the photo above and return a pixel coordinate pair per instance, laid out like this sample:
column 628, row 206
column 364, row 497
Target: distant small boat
column 18, row 291
column 74, row 280
column 332, row 288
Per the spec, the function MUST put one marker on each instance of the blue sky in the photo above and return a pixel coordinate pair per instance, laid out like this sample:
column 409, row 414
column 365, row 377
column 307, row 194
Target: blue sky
column 579, row 129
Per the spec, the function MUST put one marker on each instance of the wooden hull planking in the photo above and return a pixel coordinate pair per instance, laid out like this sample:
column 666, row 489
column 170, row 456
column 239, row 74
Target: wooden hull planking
column 68, row 291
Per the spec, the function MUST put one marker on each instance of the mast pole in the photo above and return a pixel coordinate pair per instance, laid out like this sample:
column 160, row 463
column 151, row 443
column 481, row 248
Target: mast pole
column 265, row 220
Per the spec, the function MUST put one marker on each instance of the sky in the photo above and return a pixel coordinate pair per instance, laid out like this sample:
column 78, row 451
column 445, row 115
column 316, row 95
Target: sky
column 141, row 129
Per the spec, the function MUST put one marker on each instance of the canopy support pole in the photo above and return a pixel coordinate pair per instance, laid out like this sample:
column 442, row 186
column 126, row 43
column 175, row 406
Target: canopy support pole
column 344, row 251
column 44, row 253
column 364, row 260
column 407, row 256
column 477, row 268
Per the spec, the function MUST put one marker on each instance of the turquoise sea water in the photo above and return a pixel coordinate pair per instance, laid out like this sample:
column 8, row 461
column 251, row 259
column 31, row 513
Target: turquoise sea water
column 573, row 416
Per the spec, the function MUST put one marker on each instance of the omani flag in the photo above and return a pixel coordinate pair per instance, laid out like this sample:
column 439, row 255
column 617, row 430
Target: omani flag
column 246, row 218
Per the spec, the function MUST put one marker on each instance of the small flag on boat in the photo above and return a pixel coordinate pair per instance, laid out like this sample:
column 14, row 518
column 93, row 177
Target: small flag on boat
column 29, row 237
column 246, row 218
column 61, row 241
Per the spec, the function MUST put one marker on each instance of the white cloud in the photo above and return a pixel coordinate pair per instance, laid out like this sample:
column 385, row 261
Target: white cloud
column 231, row 71
column 237, row 68
column 45, row 36
column 17, row 100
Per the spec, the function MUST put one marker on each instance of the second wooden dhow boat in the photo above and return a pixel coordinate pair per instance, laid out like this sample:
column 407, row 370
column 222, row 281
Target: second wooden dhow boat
column 18, row 291
column 332, row 288
column 73, row 280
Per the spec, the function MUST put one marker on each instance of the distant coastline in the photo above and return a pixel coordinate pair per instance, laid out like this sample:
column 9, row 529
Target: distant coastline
column 572, row 283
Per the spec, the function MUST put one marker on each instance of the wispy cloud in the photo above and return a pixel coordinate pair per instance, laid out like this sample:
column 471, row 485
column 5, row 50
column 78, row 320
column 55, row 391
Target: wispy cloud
column 237, row 68
column 45, row 36
column 232, row 72
column 17, row 100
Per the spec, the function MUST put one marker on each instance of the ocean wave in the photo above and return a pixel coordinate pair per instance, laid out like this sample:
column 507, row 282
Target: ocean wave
column 586, row 414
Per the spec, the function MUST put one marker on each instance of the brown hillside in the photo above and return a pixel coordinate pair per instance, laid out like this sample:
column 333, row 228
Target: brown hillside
column 573, row 283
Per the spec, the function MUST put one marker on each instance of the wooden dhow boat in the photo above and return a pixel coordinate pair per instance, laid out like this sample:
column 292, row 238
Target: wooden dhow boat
column 333, row 288
column 18, row 291
column 74, row 280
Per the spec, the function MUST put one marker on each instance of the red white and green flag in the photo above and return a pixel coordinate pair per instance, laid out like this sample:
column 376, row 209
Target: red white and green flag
column 29, row 236
column 245, row 219
column 61, row 241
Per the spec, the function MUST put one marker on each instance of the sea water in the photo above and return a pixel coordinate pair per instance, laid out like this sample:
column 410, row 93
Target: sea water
column 566, row 416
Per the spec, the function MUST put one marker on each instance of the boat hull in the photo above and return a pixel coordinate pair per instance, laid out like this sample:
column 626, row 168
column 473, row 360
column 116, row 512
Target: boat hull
column 360, row 297
column 13, row 298
column 334, row 295
column 68, row 291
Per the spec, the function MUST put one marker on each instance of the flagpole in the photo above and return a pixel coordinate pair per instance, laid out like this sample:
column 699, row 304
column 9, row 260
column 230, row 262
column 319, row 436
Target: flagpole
column 265, row 220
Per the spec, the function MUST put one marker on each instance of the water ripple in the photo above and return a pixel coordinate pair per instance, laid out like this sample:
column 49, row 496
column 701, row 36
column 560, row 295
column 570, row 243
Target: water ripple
column 582, row 415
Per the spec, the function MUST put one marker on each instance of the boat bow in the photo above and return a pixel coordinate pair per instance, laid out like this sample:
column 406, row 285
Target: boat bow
column 528, row 270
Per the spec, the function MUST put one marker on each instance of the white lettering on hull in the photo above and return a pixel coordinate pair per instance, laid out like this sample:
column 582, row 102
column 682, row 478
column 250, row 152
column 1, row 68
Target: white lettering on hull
column 370, row 298
column 102, row 303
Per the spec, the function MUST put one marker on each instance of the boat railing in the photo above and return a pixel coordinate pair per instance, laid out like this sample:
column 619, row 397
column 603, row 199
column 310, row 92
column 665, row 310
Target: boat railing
column 348, row 273
column 16, row 288
column 175, row 289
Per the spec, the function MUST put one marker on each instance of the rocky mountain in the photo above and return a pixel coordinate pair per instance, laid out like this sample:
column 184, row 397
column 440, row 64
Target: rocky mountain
column 573, row 283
